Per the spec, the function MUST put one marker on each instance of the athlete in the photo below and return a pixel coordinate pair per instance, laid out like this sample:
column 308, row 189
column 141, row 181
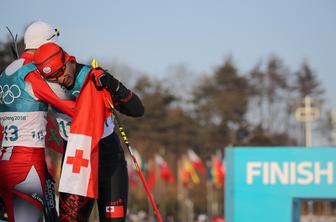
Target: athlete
column 113, row 177
column 24, row 99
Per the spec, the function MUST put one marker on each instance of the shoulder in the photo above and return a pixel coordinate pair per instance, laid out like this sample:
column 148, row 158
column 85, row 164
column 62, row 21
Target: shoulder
column 79, row 67
column 14, row 66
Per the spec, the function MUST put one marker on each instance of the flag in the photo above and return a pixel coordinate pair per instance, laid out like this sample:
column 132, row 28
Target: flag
column 151, row 176
column 190, row 170
column 114, row 212
column 80, row 166
column 131, row 169
column 141, row 163
column 210, row 172
column 218, row 171
column 196, row 161
column 165, row 172
column 53, row 138
column 132, row 177
column 183, row 174
column 50, row 164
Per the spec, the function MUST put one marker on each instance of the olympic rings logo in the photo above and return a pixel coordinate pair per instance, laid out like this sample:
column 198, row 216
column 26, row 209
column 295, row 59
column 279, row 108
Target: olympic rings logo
column 9, row 93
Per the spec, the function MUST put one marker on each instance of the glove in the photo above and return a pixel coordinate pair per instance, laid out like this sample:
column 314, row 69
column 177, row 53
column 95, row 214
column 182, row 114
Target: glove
column 103, row 79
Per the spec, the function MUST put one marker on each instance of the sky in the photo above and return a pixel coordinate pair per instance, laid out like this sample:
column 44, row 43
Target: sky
column 152, row 35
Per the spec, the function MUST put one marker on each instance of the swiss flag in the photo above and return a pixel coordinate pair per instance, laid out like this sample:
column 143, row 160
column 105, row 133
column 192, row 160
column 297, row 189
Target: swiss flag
column 114, row 212
column 80, row 167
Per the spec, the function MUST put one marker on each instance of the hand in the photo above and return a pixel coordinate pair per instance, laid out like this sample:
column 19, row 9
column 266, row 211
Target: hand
column 103, row 79
column 96, row 75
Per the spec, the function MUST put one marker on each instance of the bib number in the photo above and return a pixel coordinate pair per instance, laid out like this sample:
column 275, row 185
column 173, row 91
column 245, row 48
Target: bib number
column 39, row 135
column 11, row 133
column 64, row 126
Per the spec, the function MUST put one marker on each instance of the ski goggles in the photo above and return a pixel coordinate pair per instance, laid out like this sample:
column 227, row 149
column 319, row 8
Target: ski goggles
column 54, row 77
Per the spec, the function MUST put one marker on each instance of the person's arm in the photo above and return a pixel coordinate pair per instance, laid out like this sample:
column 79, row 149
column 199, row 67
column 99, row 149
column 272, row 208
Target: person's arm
column 43, row 92
column 125, row 100
column 128, row 103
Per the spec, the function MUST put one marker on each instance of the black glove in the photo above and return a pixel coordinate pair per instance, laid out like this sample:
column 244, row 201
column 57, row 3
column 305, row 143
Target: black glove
column 103, row 79
column 109, row 82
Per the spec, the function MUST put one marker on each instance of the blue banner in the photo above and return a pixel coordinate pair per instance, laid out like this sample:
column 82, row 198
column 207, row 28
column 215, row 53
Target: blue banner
column 263, row 183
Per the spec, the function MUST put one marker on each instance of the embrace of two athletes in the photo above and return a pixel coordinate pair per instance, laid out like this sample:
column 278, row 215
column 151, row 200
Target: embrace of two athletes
column 85, row 100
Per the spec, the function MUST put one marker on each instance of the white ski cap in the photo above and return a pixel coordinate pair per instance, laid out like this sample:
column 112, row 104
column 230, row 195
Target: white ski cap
column 39, row 33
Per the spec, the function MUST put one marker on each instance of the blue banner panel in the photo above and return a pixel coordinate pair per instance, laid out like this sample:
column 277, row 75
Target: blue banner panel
column 262, row 183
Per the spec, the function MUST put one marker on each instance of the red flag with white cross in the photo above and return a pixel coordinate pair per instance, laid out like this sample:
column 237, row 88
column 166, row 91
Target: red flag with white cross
column 80, row 167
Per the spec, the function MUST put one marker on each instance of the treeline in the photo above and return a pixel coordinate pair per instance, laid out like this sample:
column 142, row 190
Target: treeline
column 227, row 108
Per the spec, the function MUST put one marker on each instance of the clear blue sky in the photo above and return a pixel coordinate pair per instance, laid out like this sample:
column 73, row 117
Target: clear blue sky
column 152, row 35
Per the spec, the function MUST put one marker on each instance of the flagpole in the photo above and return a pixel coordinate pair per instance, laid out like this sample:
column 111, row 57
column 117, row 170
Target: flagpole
column 158, row 185
column 180, row 195
column 162, row 186
column 151, row 215
column 209, row 191
column 190, row 208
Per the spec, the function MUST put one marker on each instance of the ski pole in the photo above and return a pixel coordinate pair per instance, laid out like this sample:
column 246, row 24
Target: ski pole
column 14, row 44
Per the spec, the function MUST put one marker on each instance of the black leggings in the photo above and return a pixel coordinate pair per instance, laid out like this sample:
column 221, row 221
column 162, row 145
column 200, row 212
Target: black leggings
column 112, row 188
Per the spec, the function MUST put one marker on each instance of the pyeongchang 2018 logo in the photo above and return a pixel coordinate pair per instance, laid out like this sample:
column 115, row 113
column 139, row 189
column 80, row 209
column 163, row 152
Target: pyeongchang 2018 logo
column 9, row 93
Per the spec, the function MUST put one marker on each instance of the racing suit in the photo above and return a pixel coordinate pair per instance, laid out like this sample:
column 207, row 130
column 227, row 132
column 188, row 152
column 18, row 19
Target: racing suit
column 113, row 177
column 24, row 99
